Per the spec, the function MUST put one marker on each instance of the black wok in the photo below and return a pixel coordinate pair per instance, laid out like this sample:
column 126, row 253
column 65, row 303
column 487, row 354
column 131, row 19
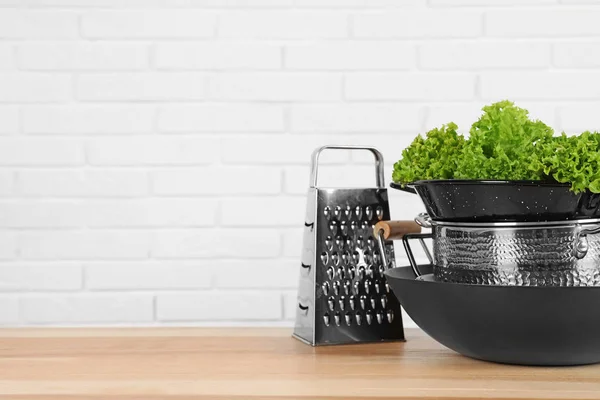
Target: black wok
column 505, row 324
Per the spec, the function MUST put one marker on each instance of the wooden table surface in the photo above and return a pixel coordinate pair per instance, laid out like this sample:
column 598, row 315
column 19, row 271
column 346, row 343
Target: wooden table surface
column 234, row 363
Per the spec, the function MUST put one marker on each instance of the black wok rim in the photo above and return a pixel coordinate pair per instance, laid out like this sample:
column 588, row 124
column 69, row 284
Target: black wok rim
column 388, row 275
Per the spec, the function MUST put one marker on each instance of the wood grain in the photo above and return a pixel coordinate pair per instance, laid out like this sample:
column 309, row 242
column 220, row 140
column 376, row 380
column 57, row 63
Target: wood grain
column 235, row 363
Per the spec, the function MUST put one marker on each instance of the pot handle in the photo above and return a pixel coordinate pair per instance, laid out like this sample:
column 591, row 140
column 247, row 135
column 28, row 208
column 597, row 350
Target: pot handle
column 424, row 220
column 405, row 230
column 393, row 230
column 580, row 248
column 409, row 253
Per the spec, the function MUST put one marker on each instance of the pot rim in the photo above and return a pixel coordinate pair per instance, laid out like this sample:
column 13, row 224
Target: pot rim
column 512, row 224
column 488, row 182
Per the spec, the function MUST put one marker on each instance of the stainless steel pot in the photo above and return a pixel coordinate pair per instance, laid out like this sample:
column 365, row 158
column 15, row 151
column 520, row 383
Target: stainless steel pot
column 557, row 253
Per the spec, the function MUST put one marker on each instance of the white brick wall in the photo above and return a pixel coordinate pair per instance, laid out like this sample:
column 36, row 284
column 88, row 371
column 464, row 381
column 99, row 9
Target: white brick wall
column 154, row 154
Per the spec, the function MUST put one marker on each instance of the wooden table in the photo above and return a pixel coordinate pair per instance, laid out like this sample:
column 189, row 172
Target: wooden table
column 192, row 363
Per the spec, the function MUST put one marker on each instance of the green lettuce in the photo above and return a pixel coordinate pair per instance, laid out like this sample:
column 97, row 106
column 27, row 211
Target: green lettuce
column 432, row 157
column 501, row 145
column 574, row 160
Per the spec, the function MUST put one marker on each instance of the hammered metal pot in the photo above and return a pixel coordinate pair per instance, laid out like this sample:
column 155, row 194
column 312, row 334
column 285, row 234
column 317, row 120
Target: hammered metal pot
column 513, row 254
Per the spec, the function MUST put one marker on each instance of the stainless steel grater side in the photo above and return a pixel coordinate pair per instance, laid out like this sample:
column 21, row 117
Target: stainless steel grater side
column 343, row 296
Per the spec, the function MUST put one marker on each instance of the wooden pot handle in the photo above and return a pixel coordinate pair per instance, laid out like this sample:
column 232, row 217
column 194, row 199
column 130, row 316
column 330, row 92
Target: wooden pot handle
column 393, row 230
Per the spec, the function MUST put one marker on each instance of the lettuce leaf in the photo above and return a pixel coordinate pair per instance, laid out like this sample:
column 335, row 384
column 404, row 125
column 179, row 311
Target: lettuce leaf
column 574, row 160
column 502, row 145
column 433, row 157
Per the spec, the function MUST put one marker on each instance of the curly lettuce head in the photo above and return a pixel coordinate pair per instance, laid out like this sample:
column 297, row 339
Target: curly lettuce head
column 503, row 145
column 574, row 160
column 432, row 157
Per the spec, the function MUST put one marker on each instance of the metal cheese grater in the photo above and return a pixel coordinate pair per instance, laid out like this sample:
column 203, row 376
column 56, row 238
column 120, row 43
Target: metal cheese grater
column 343, row 296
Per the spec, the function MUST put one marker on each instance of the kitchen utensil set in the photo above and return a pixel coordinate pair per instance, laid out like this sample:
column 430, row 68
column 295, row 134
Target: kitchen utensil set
column 514, row 275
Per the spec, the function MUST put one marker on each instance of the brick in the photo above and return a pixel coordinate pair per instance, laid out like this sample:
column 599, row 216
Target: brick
column 238, row 3
column 9, row 310
column 7, row 183
column 461, row 114
column 184, row 244
column 34, row 87
column 90, row 245
column 216, row 243
column 579, row 117
column 7, row 57
column 146, row 24
column 18, row 276
column 235, row 305
column 292, row 243
column 257, row 274
column 79, row 183
column 403, row 206
column 9, row 115
column 83, row 56
column 148, row 86
column 391, row 3
column 388, row 86
column 541, row 86
column 296, row 149
column 46, row 25
column 290, row 305
column 149, row 3
column 488, row 3
column 145, row 275
column 561, row 22
column 8, row 245
column 282, row 25
column 217, row 56
column 152, row 150
column 216, row 181
column 418, row 24
column 577, row 54
column 359, row 4
column 290, row 149
column 350, row 56
column 87, row 308
column 88, row 119
column 297, row 178
column 221, row 118
column 355, row 118
column 479, row 55
column 150, row 213
column 263, row 211
column 275, row 87
column 40, row 214
column 36, row 151
column 329, row 3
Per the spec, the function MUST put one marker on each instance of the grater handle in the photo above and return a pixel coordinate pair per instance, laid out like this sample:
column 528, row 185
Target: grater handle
column 314, row 164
